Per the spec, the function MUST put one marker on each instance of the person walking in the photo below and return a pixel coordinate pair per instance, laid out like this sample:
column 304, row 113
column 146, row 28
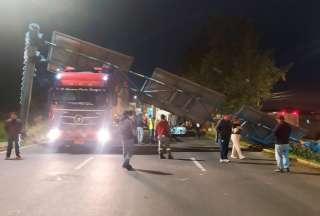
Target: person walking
column 151, row 122
column 127, row 138
column 235, row 138
column 139, row 127
column 282, row 133
column 162, row 134
column 13, row 128
column 224, row 128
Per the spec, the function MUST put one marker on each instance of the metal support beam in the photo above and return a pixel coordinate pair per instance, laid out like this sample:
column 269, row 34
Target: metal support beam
column 173, row 96
column 188, row 102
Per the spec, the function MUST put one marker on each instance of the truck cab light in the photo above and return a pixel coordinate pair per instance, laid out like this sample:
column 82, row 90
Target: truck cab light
column 103, row 135
column 53, row 134
column 105, row 78
column 58, row 76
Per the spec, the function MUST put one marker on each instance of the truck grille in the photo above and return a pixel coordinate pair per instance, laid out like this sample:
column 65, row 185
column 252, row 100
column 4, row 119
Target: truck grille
column 80, row 117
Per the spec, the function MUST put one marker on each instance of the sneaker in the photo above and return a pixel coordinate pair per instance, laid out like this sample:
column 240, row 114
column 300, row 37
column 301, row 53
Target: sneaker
column 7, row 158
column 278, row 170
column 170, row 157
column 125, row 164
column 287, row 169
column 234, row 157
column 242, row 157
column 19, row 158
column 226, row 161
column 221, row 161
column 130, row 168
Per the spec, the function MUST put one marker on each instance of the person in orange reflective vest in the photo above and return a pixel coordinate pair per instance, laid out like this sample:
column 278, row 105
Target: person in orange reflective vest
column 151, row 122
column 162, row 134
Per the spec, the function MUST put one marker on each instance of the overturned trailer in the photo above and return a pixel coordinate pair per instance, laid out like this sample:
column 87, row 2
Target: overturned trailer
column 180, row 96
column 258, row 127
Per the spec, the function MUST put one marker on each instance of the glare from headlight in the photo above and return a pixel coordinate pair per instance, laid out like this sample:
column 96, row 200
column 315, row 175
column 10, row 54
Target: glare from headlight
column 103, row 135
column 53, row 134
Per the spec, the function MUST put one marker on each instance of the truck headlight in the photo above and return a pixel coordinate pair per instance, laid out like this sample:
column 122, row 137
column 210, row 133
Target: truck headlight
column 53, row 134
column 103, row 135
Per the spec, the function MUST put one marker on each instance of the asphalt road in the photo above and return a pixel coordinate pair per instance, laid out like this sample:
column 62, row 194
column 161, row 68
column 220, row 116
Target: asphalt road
column 51, row 184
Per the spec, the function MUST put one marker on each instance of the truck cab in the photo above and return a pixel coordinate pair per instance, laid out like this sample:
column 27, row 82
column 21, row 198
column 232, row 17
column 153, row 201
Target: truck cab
column 81, row 108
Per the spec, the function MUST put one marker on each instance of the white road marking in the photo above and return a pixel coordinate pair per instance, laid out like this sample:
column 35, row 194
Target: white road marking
column 84, row 163
column 198, row 164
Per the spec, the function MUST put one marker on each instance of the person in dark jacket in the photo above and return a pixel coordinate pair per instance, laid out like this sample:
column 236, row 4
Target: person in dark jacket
column 224, row 129
column 127, row 134
column 282, row 133
column 13, row 128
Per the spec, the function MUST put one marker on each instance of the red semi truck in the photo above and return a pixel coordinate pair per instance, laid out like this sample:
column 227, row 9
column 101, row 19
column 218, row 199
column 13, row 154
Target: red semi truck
column 83, row 107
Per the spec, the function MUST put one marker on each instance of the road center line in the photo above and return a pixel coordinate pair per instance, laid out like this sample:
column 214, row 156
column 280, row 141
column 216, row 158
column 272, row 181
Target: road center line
column 84, row 163
column 198, row 164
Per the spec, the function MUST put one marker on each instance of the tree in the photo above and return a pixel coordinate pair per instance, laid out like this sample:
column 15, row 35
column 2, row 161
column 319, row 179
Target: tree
column 228, row 59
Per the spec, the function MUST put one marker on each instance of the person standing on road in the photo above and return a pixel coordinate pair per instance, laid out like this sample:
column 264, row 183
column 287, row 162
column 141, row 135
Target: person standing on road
column 151, row 122
column 139, row 126
column 235, row 138
column 282, row 133
column 162, row 134
column 127, row 135
column 224, row 129
column 13, row 128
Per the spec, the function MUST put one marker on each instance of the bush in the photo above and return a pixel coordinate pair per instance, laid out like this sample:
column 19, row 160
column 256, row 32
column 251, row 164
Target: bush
column 211, row 132
column 2, row 132
column 305, row 153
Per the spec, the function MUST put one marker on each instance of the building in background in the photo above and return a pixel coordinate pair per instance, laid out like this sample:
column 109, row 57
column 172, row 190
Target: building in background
column 300, row 108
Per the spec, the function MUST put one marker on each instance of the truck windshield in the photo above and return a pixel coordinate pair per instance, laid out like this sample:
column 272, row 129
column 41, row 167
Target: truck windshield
column 79, row 96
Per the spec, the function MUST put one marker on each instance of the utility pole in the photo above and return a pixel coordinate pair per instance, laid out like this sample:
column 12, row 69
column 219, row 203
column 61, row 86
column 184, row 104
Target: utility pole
column 32, row 42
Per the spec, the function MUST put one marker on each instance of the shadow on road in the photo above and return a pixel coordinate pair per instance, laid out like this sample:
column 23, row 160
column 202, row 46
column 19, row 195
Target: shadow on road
column 260, row 159
column 305, row 173
column 254, row 163
column 196, row 149
column 117, row 149
column 186, row 159
column 153, row 172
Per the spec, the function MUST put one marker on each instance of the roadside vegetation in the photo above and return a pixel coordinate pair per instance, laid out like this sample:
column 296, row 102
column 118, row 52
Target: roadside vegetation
column 2, row 132
column 227, row 57
column 298, row 151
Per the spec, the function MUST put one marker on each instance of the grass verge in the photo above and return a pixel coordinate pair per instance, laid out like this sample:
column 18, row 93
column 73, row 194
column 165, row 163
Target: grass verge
column 2, row 132
column 298, row 158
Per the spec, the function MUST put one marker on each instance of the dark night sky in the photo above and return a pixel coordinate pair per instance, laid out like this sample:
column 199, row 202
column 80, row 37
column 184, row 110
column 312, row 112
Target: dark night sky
column 158, row 32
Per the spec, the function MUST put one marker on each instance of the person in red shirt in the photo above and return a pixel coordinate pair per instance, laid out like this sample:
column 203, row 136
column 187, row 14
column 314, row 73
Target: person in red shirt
column 162, row 134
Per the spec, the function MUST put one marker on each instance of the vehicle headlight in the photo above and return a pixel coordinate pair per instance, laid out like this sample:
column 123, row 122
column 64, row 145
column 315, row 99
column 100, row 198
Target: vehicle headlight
column 53, row 134
column 103, row 135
